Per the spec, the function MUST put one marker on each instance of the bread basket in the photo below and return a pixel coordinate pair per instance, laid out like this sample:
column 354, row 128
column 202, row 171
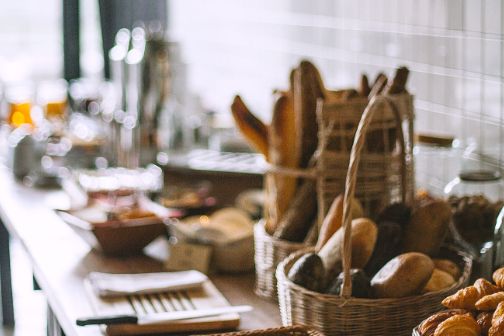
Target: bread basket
column 297, row 330
column 379, row 172
column 344, row 315
column 269, row 252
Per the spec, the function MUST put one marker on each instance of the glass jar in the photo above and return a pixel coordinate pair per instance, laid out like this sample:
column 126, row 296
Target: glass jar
column 437, row 161
column 477, row 198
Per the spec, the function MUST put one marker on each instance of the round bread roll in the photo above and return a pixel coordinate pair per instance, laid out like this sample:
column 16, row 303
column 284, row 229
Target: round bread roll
column 448, row 266
column 402, row 276
column 439, row 280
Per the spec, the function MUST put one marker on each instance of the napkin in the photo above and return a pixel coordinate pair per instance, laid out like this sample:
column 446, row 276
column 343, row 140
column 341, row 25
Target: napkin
column 106, row 284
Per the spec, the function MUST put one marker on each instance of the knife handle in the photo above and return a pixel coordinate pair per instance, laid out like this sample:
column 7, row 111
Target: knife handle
column 113, row 319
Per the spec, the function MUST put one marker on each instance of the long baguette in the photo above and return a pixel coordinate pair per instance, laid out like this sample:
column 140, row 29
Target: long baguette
column 308, row 87
column 252, row 128
column 398, row 84
column 364, row 88
column 334, row 219
column 298, row 219
column 363, row 238
column 281, row 143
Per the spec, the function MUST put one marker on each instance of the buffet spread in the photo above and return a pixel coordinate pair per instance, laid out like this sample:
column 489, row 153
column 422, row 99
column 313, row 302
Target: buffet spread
column 345, row 244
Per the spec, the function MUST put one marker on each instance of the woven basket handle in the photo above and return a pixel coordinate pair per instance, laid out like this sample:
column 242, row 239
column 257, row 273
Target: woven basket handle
column 351, row 179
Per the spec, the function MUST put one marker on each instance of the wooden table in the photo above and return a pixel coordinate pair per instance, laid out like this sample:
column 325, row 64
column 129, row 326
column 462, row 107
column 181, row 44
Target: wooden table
column 61, row 260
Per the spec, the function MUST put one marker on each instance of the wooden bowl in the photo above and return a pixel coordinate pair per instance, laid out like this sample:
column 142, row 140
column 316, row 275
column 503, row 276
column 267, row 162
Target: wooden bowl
column 118, row 238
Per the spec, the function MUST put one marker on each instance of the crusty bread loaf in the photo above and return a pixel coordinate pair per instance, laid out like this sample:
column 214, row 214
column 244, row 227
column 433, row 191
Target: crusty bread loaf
column 427, row 228
column 364, row 233
column 403, row 276
column 334, row 218
column 308, row 87
column 282, row 136
column 252, row 128
column 298, row 219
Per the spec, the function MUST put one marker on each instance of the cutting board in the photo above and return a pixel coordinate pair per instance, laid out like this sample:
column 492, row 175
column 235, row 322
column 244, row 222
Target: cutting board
column 208, row 296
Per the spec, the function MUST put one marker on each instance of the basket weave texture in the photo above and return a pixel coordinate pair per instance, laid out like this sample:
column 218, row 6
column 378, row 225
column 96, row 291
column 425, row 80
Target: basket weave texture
column 269, row 251
column 335, row 315
column 344, row 315
column 297, row 330
column 379, row 172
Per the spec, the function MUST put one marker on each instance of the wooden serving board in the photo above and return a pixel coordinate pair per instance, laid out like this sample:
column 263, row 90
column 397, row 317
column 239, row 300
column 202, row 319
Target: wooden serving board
column 208, row 296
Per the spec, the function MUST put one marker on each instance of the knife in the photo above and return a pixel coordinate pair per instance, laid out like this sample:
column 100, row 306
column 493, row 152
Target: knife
column 161, row 317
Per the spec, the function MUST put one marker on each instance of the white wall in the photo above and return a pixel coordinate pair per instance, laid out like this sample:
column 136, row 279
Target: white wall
column 454, row 49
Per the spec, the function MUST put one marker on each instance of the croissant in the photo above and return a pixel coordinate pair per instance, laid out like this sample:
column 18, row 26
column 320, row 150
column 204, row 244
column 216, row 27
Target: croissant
column 490, row 302
column 428, row 326
column 497, row 328
column 458, row 325
column 484, row 320
column 498, row 277
column 465, row 298
column 485, row 287
column 498, row 313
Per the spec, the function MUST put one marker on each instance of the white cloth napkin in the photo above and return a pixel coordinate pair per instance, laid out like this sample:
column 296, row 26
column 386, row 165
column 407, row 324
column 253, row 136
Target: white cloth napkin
column 106, row 284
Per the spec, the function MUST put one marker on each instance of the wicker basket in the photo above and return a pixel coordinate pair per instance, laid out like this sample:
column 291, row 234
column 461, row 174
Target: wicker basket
column 297, row 330
column 378, row 180
column 334, row 315
column 344, row 315
column 269, row 252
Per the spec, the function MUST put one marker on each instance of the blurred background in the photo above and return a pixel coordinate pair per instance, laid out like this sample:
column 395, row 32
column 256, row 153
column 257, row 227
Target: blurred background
column 452, row 47
column 83, row 72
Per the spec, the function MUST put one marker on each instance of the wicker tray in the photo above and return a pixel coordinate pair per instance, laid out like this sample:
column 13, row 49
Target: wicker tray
column 344, row 315
column 297, row 330
column 269, row 252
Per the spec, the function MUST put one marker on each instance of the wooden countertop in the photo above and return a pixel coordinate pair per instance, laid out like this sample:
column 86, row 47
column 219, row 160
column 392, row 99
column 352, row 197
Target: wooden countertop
column 61, row 260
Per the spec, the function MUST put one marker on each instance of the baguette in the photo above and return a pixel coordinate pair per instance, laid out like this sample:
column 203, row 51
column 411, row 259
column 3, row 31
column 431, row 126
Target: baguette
column 252, row 128
column 398, row 84
column 334, row 218
column 297, row 221
column 364, row 234
column 308, row 87
column 281, row 143
column 364, row 88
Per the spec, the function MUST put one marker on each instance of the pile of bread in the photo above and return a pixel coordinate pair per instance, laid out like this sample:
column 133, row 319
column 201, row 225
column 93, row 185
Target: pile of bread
column 473, row 311
column 395, row 256
column 290, row 142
